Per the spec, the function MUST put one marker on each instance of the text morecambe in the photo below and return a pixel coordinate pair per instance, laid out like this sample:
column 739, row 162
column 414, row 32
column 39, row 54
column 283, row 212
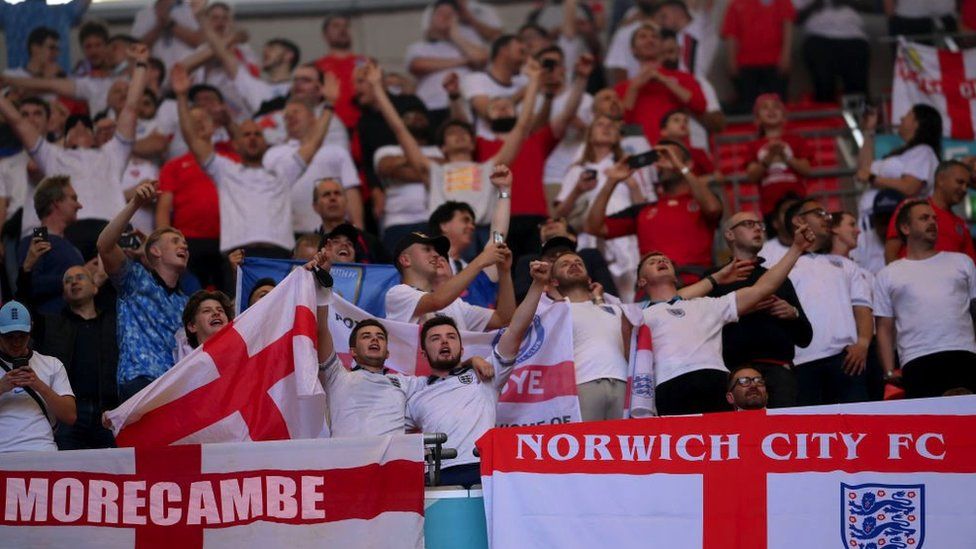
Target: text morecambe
column 705, row 447
column 82, row 500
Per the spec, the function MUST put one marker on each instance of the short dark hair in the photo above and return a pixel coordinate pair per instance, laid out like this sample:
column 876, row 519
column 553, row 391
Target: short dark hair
column 499, row 43
column 48, row 192
column 434, row 322
column 947, row 165
column 296, row 53
column 534, row 27
column 667, row 116
column 793, row 211
column 261, row 282
column 905, row 214
column 201, row 88
column 551, row 49
column 38, row 36
column 332, row 17
column 730, row 383
column 365, row 323
column 444, row 213
column 34, row 100
column 158, row 64
column 193, row 305
column 318, row 71
column 667, row 34
column 92, row 28
column 452, row 123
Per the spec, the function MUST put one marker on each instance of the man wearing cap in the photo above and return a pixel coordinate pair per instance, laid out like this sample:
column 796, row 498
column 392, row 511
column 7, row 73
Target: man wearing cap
column 416, row 257
column 870, row 250
column 556, row 238
column 329, row 199
column 33, row 387
column 923, row 306
column 747, row 389
column 952, row 179
column 766, row 337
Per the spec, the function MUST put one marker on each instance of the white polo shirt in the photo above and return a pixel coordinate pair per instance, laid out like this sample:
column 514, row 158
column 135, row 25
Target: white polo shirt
column 929, row 300
column 23, row 426
column 460, row 405
column 329, row 161
column 96, row 174
column 406, row 202
column 255, row 203
column 828, row 287
column 688, row 334
column 402, row 299
column 598, row 342
column 366, row 404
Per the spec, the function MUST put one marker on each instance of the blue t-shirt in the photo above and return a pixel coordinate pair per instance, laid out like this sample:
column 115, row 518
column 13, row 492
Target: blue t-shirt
column 149, row 316
column 18, row 20
column 47, row 275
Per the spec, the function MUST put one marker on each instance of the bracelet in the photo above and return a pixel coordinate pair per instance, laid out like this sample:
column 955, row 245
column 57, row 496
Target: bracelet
column 504, row 194
column 711, row 279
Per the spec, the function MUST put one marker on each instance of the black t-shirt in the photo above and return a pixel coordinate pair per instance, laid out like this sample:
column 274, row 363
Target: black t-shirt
column 83, row 373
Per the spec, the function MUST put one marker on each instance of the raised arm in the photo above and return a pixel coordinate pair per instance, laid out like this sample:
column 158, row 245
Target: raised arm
column 201, row 148
column 26, row 131
column 59, row 86
column 457, row 106
column 513, row 141
column 768, row 283
column 584, row 67
column 108, row 241
column 452, row 288
column 313, row 140
column 505, row 305
column 411, row 148
column 138, row 55
column 475, row 55
column 508, row 345
column 320, row 264
column 218, row 46
column 596, row 217
column 711, row 206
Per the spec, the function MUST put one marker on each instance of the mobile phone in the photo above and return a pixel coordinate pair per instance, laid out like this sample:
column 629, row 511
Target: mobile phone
column 20, row 362
column 129, row 241
column 40, row 232
column 497, row 237
column 549, row 64
column 589, row 174
column 643, row 159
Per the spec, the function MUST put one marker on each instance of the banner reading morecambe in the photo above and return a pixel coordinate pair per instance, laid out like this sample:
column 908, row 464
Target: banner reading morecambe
column 866, row 476
column 350, row 492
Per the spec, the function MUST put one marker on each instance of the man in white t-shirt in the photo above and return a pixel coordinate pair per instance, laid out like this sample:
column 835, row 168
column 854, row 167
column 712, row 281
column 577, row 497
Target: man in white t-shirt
column 836, row 296
column 96, row 173
column 923, row 307
column 329, row 161
column 502, row 78
column 472, row 14
column 447, row 47
column 690, row 373
column 457, row 402
column 19, row 174
column 417, row 257
column 33, row 387
column 601, row 334
column 170, row 28
column 255, row 202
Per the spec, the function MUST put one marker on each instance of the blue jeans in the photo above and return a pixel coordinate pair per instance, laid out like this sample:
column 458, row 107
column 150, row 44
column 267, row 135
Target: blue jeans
column 87, row 433
column 133, row 386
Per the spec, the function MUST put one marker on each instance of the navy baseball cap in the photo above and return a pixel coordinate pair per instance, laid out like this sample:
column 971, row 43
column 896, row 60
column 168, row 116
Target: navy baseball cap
column 14, row 317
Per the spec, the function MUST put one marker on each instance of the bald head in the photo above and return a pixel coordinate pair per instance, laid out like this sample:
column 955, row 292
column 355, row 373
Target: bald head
column 744, row 234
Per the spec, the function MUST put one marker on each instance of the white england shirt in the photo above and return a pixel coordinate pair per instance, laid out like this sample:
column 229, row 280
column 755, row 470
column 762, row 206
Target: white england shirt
column 402, row 299
column 23, row 426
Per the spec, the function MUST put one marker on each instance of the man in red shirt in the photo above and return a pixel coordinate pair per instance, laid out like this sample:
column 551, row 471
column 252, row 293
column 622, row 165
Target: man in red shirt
column 777, row 161
column 951, row 180
column 529, row 207
column 681, row 224
column 341, row 62
column 759, row 40
column 656, row 89
column 188, row 200
column 674, row 127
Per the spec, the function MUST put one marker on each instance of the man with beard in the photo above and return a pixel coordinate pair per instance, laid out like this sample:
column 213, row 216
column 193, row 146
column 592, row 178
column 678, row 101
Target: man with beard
column 370, row 399
column 836, row 297
column 747, row 389
column 454, row 401
column 952, row 179
column 680, row 224
column 254, row 200
column 923, row 306
column 767, row 336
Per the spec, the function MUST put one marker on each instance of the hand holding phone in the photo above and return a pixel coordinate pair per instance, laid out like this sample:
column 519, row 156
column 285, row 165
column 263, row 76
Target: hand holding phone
column 638, row 161
column 40, row 232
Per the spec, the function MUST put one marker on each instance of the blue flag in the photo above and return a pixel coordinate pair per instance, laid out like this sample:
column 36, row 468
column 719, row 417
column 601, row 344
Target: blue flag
column 363, row 285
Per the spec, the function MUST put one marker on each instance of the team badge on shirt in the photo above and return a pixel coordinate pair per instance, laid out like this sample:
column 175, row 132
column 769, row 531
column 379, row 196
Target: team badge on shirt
column 394, row 380
column 676, row 312
column 466, row 378
column 883, row 515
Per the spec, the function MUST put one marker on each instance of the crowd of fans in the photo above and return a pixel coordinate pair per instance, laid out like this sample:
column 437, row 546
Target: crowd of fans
column 554, row 166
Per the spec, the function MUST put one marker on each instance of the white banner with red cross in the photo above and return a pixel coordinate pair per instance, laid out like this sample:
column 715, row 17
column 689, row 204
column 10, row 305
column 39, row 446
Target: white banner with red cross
column 941, row 78
column 542, row 386
column 349, row 492
column 897, row 474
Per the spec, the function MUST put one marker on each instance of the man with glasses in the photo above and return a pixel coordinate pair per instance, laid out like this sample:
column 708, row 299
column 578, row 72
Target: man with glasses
column 747, row 389
column 836, row 297
column 767, row 336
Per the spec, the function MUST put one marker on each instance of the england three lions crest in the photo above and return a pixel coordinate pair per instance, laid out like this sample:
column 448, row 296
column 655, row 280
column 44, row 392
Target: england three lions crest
column 882, row 516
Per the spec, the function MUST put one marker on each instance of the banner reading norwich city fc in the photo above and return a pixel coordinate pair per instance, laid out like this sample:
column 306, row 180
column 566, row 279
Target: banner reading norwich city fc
column 885, row 475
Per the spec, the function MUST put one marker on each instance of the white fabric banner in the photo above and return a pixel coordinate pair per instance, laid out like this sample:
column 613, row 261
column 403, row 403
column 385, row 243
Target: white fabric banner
column 940, row 78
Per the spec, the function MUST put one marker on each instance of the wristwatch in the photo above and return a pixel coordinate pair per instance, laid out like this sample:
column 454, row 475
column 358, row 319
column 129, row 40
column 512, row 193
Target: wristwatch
column 685, row 170
column 504, row 194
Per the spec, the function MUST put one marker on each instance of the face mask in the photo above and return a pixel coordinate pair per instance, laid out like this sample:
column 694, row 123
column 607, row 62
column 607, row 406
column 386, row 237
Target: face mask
column 503, row 125
column 420, row 133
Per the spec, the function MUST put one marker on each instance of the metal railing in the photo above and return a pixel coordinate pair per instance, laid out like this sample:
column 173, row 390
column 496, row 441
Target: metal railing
column 434, row 453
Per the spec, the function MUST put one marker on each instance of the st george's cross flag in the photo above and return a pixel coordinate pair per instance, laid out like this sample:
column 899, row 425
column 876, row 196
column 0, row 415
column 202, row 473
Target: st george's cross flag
column 256, row 379
column 896, row 474
column 941, row 78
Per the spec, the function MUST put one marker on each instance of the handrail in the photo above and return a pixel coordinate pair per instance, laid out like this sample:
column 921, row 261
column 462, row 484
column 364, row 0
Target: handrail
column 732, row 138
